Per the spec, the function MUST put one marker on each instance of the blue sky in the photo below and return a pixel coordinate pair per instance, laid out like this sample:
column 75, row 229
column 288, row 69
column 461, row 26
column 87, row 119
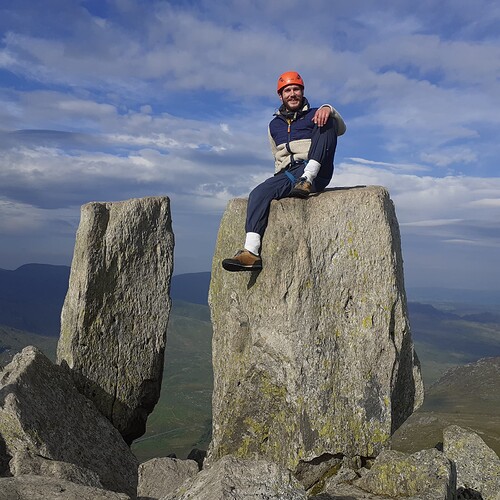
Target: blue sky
column 109, row 100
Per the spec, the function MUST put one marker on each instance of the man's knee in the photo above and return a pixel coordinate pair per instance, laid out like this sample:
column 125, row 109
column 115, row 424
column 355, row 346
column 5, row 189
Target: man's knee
column 257, row 191
column 329, row 128
column 259, row 195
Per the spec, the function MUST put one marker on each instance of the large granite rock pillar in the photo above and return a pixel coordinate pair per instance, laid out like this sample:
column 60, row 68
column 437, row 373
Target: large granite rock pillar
column 114, row 319
column 313, row 355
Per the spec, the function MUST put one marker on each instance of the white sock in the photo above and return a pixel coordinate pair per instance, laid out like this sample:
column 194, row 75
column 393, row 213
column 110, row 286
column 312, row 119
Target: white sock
column 311, row 170
column 252, row 243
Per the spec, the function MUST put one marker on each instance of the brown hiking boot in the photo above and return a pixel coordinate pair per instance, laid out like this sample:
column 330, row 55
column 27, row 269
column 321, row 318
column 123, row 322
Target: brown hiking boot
column 243, row 261
column 302, row 188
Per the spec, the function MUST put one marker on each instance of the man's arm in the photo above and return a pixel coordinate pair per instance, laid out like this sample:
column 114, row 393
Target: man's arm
column 324, row 112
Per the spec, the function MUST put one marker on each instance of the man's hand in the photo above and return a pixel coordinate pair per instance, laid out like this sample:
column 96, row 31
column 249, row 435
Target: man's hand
column 321, row 116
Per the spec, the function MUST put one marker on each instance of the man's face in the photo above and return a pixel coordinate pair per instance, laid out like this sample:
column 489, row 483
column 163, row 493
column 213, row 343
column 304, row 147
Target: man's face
column 291, row 96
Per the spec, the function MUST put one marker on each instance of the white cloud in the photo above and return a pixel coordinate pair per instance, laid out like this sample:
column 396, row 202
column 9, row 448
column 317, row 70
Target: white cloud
column 486, row 202
column 22, row 218
column 441, row 208
column 175, row 99
column 391, row 166
column 448, row 156
column 458, row 241
column 432, row 223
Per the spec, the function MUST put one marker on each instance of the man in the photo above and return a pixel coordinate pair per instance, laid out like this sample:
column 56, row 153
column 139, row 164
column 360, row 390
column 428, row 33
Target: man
column 303, row 142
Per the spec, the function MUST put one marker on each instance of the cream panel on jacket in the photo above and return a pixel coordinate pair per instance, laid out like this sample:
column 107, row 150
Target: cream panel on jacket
column 300, row 148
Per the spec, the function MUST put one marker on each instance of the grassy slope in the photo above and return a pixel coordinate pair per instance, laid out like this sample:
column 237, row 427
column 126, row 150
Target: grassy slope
column 459, row 390
column 468, row 396
column 181, row 420
column 13, row 341
column 443, row 342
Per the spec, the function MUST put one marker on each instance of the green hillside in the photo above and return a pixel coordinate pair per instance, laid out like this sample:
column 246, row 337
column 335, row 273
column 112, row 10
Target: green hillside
column 13, row 341
column 181, row 420
column 445, row 339
column 468, row 396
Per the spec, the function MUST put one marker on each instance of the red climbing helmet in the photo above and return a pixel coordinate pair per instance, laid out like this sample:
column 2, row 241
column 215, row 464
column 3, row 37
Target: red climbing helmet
column 289, row 78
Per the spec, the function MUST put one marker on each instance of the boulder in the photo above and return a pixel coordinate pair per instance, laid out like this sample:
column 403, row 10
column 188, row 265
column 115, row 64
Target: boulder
column 478, row 466
column 313, row 355
column 160, row 476
column 240, row 479
column 311, row 473
column 24, row 463
column 344, row 476
column 43, row 488
column 44, row 415
column 348, row 491
column 425, row 475
column 321, row 475
column 115, row 315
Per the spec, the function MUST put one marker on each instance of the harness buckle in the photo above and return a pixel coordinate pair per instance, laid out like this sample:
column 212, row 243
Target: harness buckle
column 295, row 163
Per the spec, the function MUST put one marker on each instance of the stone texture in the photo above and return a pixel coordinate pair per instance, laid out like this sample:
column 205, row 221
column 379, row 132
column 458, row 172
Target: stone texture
column 25, row 463
column 42, row 413
column 478, row 466
column 44, row 488
column 351, row 492
column 424, row 475
column 310, row 473
column 344, row 475
column 237, row 479
column 114, row 319
column 314, row 354
column 160, row 476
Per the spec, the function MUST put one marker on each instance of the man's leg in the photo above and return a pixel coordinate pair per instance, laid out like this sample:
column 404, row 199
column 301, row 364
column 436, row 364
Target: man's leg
column 320, row 160
column 259, row 202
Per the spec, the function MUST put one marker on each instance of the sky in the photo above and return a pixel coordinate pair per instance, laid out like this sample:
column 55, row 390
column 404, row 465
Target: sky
column 107, row 100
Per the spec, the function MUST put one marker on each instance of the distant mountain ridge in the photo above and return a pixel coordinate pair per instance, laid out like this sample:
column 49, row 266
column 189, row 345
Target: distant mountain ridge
column 438, row 294
column 191, row 287
column 445, row 334
column 429, row 311
column 194, row 286
column 32, row 296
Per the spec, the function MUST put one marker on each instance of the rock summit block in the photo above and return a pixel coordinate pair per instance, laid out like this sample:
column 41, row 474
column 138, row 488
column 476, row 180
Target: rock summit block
column 313, row 355
column 114, row 319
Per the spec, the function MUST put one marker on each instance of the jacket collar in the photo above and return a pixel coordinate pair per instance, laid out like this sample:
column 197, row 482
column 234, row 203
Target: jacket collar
column 293, row 115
